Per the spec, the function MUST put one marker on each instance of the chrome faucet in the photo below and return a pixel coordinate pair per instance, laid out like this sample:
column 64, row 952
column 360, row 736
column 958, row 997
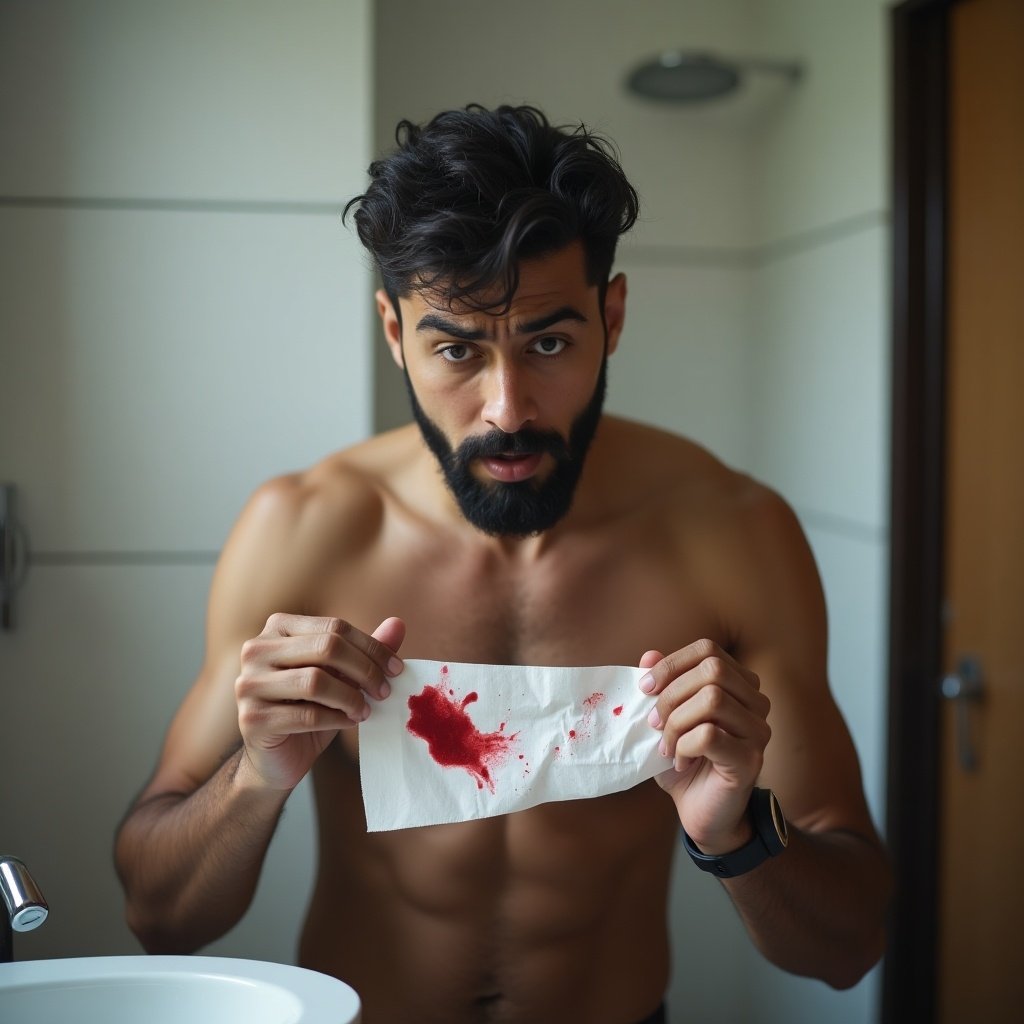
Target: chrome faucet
column 23, row 905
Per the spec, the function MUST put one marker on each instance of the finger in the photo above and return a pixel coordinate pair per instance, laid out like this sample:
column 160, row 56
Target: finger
column 391, row 633
column 328, row 651
column 650, row 659
column 337, row 645
column 688, row 658
column 282, row 624
column 262, row 722
column 712, row 674
column 729, row 755
column 715, row 706
column 307, row 684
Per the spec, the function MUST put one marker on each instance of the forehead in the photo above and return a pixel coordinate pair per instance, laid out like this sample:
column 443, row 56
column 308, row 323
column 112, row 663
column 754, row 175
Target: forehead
column 557, row 279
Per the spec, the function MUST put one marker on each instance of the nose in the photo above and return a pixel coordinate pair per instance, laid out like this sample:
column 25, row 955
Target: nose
column 508, row 405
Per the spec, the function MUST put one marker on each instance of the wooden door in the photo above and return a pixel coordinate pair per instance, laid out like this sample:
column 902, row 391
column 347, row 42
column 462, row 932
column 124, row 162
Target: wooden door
column 980, row 973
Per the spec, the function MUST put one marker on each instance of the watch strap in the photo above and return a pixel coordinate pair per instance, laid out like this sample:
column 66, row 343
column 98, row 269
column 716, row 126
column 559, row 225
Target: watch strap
column 769, row 839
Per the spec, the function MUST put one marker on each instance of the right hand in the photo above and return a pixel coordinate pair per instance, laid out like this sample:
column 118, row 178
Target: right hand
column 302, row 680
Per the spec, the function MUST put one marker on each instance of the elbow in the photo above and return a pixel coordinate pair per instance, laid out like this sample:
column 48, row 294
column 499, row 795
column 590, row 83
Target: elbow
column 156, row 933
column 840, row 961
column 864, row 946
column 851, row 968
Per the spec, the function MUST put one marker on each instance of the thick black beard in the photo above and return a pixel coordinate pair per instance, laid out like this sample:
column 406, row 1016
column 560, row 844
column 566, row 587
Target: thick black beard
column 524, row 508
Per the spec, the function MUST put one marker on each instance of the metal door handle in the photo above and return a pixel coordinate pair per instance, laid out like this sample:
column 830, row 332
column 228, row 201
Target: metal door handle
column 965, row 687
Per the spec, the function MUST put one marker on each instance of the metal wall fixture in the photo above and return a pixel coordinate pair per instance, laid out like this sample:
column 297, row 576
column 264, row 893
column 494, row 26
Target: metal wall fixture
column 13, row 556
column 22, row 906
column 693, row 76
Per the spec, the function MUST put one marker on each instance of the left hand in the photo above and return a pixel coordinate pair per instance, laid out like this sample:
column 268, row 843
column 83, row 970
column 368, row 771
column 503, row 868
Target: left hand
column 713, row 720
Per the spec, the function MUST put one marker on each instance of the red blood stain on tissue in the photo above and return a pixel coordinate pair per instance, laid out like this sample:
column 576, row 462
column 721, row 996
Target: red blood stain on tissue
column 452, row 738
column 617, row 711
column 584, row 725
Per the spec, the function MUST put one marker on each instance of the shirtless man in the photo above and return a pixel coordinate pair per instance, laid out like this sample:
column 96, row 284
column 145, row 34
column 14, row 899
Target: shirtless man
column 553, row 535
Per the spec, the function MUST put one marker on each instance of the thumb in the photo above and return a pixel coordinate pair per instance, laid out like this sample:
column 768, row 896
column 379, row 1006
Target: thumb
column 391, row 633
column 650, row 659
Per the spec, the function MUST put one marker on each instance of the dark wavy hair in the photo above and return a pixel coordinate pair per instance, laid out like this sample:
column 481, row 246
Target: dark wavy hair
column 471, row 193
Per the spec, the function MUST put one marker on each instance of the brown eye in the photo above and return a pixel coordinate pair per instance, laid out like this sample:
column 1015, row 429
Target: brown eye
column 455, row 353
column 550, row 346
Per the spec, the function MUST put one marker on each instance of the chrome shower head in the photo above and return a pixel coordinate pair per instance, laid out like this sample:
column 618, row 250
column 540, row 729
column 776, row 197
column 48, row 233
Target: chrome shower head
column 686, row 76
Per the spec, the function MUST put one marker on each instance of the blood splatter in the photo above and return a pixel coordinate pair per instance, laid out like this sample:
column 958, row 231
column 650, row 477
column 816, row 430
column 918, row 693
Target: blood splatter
column 452, row 738
column 585, row 725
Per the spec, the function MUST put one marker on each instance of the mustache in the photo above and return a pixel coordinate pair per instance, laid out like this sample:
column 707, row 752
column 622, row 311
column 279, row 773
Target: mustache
column 522, row 442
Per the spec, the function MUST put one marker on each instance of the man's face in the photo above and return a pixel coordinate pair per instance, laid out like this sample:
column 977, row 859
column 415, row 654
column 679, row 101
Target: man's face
column 514, row 508
column 510, row 404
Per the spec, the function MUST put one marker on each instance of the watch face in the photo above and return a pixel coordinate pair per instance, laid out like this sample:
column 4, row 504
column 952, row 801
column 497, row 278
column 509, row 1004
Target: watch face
column 779, row 819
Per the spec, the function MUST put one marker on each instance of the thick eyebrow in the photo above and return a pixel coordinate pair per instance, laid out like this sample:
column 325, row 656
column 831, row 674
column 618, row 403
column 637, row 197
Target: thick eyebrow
column 542, row 323
column 434, row 322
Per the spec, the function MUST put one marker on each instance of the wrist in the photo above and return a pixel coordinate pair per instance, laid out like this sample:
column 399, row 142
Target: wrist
column 250, row 784
column 726, row 842
column 768, row 836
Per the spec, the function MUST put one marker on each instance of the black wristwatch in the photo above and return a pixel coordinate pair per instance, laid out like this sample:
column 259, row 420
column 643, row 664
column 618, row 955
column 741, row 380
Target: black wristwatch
column 770, row 839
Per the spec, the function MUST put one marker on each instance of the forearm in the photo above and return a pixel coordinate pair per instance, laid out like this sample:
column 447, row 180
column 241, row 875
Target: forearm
column 818, row 909
column 189, row 863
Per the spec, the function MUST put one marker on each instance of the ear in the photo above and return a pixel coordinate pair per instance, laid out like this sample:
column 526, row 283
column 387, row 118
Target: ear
column 392, row 328
column 615, row 310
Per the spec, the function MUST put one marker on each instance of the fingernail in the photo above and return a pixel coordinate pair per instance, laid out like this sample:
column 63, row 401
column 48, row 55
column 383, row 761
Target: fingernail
column 394, row 666
column 385, row 691
column 654, row 718
column 647, row 683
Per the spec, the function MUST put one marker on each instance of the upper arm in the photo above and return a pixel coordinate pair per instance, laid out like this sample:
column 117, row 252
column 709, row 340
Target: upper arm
column 781, row 631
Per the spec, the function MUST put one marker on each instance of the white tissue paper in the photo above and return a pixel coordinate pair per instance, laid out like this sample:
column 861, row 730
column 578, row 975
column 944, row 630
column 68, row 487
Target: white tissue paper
column 456, row 742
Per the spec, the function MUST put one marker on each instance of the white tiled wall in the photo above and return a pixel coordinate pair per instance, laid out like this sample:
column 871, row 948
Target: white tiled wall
column 818, row 350
column 182, row 315
column 149, row 347
column 820, row 355
column 91, row 676
column 821, row 156
column 237, row 100
column 681, row 362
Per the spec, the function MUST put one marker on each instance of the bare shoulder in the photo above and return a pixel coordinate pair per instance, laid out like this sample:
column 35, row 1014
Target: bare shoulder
column 333, row 508
column 294, row 527
column 692, row 484
column 737, row 536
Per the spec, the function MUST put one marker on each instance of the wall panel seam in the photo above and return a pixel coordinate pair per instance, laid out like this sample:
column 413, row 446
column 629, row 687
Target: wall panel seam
column 68, row 559
column 755, row 256
column 270, row 206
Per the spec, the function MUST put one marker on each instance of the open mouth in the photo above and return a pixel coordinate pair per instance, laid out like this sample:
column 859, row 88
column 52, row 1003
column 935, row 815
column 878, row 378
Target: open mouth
column 512, row 468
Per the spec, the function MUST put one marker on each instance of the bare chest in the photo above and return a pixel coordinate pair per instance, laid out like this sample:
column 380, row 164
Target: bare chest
column 593, row 603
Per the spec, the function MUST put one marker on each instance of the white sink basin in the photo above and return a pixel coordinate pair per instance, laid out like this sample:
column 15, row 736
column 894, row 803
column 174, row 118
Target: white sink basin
column 171, row 990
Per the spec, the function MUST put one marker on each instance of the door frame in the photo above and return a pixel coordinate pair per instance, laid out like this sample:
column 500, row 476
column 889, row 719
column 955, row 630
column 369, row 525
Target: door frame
column 919, row 34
